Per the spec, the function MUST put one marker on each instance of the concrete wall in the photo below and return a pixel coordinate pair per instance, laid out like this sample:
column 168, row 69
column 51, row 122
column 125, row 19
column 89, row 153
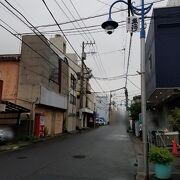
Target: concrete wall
column 9, row 73
column 72, row 108
column 71, row 124
column 64, row 78
column 38, row 68
column 60, row 44
column 35, row 70
column 43, row 72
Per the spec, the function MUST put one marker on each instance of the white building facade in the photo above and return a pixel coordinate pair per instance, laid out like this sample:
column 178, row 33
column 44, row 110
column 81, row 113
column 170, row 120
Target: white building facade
column 173, row 3
column 102, row 107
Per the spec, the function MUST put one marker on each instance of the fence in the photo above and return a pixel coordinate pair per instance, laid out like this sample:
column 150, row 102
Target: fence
column 165, row 139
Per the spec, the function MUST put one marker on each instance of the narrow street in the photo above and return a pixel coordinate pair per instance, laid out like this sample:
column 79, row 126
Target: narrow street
column 105, row 153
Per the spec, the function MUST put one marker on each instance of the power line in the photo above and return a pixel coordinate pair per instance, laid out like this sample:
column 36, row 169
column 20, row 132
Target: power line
column 99, row 85
column 69, row 18
column 33, row 29
column 74, row 30
column 129, row 53
column 100, row 61
column 27, row 45
column 114, row 90
column 9, row 26
column 47, row 60
column 109, row 52
column 60, row 28
column 38, row 54
column 91, row 29
column 31, row 49
column 106, row 4
column 81, row 20
column 133, row 84
column 86, row 29
column 96, row 16
column 115, row 77
column 97, row 64
column 89, row 34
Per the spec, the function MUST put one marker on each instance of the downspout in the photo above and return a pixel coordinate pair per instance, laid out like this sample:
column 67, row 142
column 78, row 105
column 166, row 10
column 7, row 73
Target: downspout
column 31, row 124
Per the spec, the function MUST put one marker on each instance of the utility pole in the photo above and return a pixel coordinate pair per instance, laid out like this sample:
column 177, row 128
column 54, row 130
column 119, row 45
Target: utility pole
column 82, row 79
column 83, row 66
column 110, row 107
column 126, row 91
column 82, row 76
column 126, row 96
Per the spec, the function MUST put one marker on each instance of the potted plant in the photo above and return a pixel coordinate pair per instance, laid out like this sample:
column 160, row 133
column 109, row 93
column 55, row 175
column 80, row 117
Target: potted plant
column 162, row 158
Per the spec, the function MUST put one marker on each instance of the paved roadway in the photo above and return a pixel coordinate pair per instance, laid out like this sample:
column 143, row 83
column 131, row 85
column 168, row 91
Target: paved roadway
column 105, row 153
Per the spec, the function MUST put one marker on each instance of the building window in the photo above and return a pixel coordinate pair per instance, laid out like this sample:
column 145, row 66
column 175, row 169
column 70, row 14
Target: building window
column 73, row 82
column 72, row 99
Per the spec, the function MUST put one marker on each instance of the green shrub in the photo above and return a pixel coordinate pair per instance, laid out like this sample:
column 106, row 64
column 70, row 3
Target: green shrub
column 160, row 155
column 174, row 119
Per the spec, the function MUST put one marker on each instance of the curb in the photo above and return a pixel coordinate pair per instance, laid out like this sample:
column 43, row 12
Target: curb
column 17, row 146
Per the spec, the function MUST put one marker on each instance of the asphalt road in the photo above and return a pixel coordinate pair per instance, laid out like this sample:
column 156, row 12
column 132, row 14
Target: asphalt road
column 104, row 153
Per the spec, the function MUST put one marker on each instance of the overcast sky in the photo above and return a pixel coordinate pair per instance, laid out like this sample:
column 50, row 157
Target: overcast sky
column 109, row 60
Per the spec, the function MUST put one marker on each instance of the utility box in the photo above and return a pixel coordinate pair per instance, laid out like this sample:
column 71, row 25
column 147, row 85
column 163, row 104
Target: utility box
column 163, row 54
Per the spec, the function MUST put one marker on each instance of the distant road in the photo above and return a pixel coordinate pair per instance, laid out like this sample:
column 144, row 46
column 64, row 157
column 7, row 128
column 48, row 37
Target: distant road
column 105, row 153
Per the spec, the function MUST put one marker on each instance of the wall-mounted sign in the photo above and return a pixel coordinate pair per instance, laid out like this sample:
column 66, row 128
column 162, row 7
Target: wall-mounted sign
column 133, row 24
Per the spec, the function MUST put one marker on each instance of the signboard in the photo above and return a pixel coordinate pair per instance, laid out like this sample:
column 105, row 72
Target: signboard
column 42, row 120
column 133, row 24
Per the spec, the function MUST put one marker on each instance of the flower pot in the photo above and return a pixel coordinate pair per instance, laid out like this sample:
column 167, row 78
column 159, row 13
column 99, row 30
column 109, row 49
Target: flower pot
column 163, row 171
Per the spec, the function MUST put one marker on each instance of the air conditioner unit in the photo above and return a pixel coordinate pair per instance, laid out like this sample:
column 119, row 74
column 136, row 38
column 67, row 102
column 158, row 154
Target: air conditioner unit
column 2, row 107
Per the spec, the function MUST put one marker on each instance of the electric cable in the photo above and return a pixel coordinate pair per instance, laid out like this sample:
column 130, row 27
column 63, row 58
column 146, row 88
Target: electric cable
column 133, row 84
column 100, row 61
column 129, row 53
column 81, row 21
column 106, row 4
column 28, row 46
column 33, row 51
column 114, row 90
column 69, row 19
column 60, row 28
column 96, row 16
column 32, row 28
column 116, row 77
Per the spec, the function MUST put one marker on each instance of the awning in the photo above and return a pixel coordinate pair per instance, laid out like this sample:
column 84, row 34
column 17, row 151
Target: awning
column 10, row 115
column 14, row 108
column 86, row 110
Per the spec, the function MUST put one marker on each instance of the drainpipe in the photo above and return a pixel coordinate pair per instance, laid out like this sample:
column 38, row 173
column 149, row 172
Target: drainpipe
column 31, row 124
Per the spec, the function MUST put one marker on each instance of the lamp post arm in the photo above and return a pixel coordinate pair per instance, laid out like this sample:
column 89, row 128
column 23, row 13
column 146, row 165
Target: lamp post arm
column 145, row 8
column 110, row 9
column 139, row 13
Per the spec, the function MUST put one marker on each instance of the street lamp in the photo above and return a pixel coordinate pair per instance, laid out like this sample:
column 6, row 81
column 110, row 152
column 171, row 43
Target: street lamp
column 110, row 26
